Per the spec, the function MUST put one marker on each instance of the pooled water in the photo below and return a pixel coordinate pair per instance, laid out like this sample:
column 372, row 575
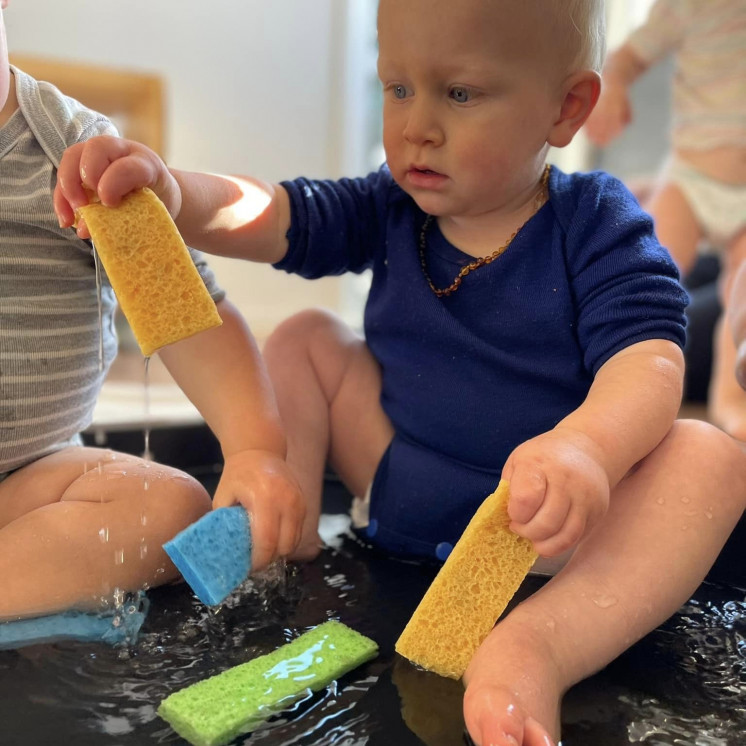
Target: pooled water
column 94, row 694
column 684, row 684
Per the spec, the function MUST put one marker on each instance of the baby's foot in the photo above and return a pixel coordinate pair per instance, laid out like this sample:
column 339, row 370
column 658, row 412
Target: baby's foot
column 494, row 718
column 513, row 689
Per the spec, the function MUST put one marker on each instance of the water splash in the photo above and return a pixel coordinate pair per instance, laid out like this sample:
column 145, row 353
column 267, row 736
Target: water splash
column 147, row 453
column 97, row 270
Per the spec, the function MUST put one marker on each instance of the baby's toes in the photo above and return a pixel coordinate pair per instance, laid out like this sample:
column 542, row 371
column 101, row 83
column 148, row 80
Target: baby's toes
column 494, row 717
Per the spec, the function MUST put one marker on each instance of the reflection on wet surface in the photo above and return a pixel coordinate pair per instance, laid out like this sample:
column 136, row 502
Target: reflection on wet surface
column 683, row 684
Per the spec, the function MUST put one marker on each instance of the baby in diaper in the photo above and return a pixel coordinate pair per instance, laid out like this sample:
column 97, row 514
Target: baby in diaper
column 701, row 192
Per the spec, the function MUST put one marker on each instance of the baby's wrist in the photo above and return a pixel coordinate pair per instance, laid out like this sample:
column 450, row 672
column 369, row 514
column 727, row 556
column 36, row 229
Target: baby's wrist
column 591, row 448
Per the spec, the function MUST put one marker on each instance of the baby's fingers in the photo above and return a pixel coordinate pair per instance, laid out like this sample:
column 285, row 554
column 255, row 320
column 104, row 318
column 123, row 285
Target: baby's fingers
column 265, row 534
column 548, row 520
column 69, row 193
column 568, row 535
column 291, row 528
column 528, row 487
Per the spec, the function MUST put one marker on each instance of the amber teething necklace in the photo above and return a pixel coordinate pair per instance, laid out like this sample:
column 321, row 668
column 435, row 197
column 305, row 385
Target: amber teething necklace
column 541, row 198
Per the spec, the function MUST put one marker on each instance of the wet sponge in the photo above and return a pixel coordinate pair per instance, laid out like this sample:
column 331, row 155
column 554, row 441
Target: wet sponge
column 214, row 711
column 150, row 268
column 120, row 627
column 214, row 553
column 472, row 589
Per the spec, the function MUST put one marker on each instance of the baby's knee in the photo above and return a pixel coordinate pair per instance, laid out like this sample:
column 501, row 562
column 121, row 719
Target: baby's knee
column 183, row 498
column 298, row 332
column 702, row 449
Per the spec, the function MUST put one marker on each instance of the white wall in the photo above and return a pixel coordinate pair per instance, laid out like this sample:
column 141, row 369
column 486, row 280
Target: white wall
column 252, row 87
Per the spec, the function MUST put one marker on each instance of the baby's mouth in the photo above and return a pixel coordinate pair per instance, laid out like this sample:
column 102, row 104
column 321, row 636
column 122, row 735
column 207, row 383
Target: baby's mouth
column 425, row 178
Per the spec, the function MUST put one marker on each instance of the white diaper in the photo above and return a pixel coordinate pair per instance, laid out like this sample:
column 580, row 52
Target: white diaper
column 720, row 208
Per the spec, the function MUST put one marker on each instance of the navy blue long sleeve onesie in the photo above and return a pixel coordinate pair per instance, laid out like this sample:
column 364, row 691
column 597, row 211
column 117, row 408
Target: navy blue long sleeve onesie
column 467, row 378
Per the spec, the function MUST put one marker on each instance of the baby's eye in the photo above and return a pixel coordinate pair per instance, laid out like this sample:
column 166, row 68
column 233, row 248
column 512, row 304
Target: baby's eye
column 460, row 94
column 400, row 91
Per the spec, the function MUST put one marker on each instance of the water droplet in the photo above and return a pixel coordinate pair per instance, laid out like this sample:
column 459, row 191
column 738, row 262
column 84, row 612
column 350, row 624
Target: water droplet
column 661, row 501
column 684, row 526
column 143, row 551
column 605, row 602
column 686, row 500
column 708, row 513
column 103, row 534
column 119, row 557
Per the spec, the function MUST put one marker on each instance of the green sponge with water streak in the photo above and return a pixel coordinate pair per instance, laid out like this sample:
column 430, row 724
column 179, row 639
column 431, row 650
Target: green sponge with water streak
column 214, row 711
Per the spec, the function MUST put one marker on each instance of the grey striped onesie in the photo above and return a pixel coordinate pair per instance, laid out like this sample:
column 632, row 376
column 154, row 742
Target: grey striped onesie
column 50, row 373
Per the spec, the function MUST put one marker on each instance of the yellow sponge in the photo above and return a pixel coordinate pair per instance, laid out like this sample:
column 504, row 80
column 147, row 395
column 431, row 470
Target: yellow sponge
column 158, row 287
column 472, row 589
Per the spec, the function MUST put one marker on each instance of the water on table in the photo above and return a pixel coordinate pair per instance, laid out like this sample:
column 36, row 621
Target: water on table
column 683, row 684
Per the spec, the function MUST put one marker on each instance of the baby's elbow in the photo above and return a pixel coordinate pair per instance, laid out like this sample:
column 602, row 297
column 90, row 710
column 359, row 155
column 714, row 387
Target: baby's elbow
column 669, row 368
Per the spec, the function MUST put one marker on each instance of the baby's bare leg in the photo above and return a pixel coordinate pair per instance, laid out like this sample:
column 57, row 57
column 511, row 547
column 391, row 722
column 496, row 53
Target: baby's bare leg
column 726, row 400
column 726, row 405
column 328, row 389
column 675, row 225
column 667, row 522
column 83, row 522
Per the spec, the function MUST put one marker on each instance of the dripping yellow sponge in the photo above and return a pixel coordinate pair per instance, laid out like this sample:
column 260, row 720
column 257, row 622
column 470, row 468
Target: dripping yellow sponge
column 149, row 266
column 214, row 711
column 471, row 590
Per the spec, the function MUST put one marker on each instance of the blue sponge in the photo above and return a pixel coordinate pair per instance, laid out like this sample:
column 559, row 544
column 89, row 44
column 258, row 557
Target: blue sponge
column 214, row 553
column 121, row 626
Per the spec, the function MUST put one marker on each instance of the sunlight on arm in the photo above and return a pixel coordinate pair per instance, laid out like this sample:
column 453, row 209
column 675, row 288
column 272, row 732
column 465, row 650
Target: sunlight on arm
column 252, row 200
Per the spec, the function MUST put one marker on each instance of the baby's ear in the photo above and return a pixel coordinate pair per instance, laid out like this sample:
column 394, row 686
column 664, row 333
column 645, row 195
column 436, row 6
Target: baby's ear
column 581, row 92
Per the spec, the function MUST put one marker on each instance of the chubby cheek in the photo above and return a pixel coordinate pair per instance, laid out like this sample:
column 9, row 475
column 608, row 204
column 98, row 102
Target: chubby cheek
column 393, row 145
column 481, row 161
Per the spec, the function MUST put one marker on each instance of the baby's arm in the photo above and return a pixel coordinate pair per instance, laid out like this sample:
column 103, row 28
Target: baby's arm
column 221, row 372
column 231, row 216
column 613, row 111
column 560, row 481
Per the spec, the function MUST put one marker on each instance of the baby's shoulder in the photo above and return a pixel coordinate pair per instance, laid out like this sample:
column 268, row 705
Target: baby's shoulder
column 590, row 195
column 57, row 120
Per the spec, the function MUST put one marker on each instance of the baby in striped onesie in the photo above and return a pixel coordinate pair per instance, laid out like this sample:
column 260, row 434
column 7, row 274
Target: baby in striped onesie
column 78, row 523
column 701, row 193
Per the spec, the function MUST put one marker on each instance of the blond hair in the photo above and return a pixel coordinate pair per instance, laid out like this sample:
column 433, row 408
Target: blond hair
column 581, row 25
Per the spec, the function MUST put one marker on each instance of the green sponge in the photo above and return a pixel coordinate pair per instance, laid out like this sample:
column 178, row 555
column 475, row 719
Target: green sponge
column 215, row 711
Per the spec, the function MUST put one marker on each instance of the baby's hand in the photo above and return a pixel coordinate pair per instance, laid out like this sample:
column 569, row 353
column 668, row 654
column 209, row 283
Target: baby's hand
column 109, row 167
column 611, row 115
column 261, row 481
column 558, row 490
